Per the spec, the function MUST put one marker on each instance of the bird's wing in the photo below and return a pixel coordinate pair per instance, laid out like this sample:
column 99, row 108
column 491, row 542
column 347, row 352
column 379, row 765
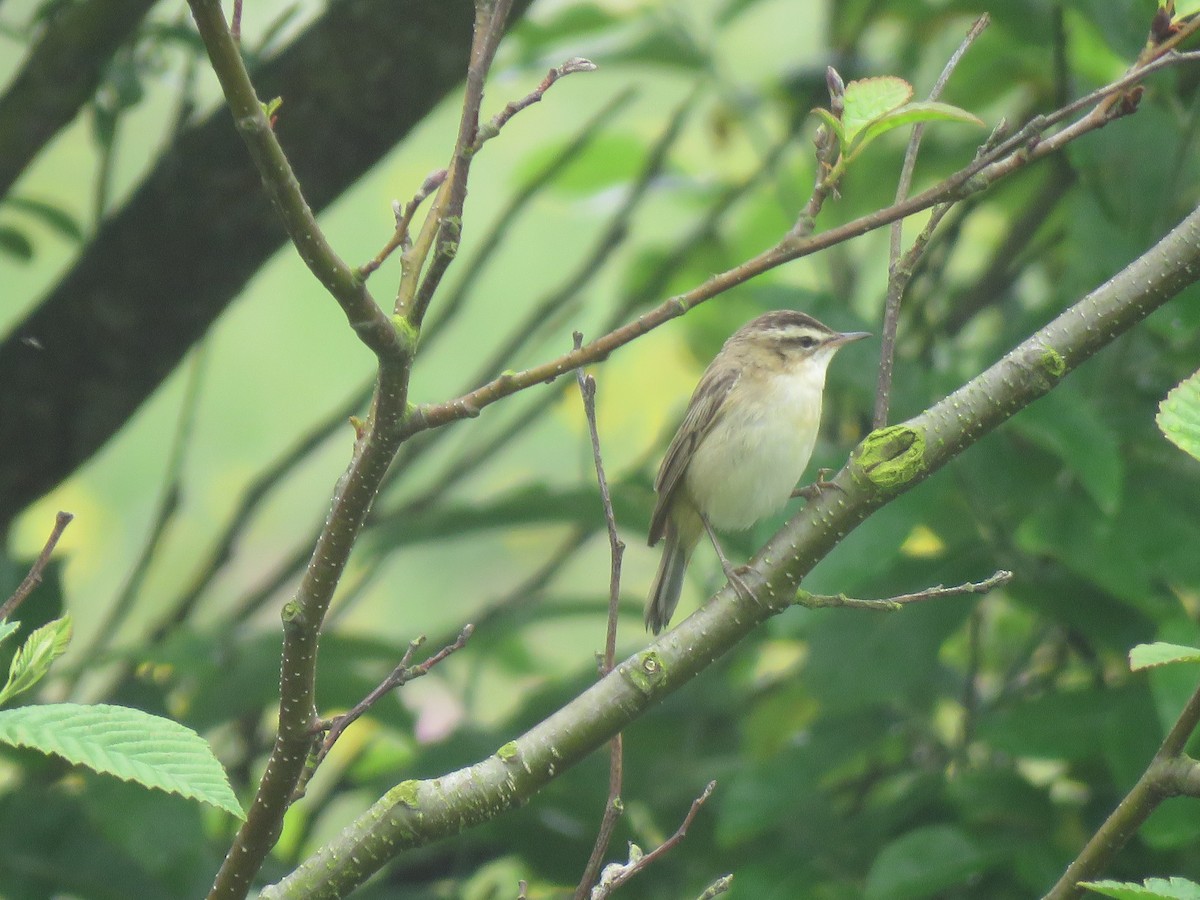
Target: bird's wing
column 704, row 411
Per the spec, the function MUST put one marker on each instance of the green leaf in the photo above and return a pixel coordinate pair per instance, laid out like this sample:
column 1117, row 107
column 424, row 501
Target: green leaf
column 1151, row 889
column 909, row 114
column 55, row 217
column 1066, row 424
column 1146, row 656
column 15, row 243
column 1179, row 416
column 923, row 863
column 32, row 662
column 871, row 98
column 131, row 744
column 7, row 628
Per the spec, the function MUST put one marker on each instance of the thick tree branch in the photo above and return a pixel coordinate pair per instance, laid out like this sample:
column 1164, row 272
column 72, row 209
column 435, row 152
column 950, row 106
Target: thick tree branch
column 394, row 341
column 250, row 116
column 60, row 75
column 888, row 463
column 143, row 290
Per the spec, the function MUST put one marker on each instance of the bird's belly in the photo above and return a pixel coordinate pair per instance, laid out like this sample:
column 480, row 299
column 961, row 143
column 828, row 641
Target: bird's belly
column 746, row 468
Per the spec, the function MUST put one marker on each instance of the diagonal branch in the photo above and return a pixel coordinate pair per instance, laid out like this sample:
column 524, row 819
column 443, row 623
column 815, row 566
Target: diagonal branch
column 887, row 464
column 279, row 181
column 997, row 162
column 34, row 577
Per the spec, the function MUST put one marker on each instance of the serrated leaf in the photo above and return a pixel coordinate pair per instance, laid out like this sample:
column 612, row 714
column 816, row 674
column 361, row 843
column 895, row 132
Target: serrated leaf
column 32, row 661
column 128, row 743
column 870, row 98
column 1151, row 889
column 8, row 628
column 1160, row 653
column 1179, row 416
column 910, row 114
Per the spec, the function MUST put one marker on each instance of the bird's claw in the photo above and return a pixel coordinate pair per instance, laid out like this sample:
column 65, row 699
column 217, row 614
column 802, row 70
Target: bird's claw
column 810, row 492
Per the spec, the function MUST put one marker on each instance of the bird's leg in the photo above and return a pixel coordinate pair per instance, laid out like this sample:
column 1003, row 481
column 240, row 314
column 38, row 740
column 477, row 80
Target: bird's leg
column 810, row 492
column 733, row 573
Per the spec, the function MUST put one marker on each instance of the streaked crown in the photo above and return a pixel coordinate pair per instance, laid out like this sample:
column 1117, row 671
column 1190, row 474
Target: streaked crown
column 790, row 333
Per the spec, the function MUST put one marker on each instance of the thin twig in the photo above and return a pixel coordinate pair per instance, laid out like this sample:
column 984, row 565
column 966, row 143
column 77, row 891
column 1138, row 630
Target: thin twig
column 30, row 582
column 503, row 224
column 442, row 230
column 613, row 806
column 683, row 250
column 400, row 676
column 617, row 874
column 1159, row 781
column 899, row 276
column 404, row 216
column 492, row 128
column 365, row 316
column 987, row 168
column 828, row 174
column 235, row 24
column 891, row 604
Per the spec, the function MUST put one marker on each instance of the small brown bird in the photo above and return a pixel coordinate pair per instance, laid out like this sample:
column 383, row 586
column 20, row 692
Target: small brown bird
column 746, row 439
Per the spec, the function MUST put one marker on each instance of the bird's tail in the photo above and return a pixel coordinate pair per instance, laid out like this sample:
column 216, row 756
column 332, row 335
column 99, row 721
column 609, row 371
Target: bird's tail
column 668, row 583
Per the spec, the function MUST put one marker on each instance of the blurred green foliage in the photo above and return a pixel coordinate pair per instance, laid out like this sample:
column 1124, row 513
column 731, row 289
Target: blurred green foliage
column 960, row 748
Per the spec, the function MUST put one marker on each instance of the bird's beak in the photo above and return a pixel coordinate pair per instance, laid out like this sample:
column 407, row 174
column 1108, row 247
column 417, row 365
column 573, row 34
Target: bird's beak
column 849, row 337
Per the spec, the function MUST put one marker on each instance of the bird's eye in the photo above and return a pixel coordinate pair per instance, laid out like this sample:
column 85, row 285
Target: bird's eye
column 807, row 342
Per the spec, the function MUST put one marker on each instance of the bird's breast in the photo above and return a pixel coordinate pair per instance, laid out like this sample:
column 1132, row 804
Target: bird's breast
column 747, row 466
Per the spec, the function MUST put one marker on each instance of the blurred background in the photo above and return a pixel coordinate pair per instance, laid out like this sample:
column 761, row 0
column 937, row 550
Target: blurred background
column 961, row 748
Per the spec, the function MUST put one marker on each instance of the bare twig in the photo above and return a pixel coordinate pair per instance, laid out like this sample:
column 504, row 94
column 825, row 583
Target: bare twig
column 372, row 325
column 442, row 230
column 898, row 275
column 997, row 162
column 30, row 582
column 492, row 128
column 617, row 874
column 885, row 466
column 587, row 388
column 827, row 178
column 613, row 806
column 235, row 24
column 404, row 216
column 891, row 604
column 503, row 225
column 1169, row 774
column 400, row 676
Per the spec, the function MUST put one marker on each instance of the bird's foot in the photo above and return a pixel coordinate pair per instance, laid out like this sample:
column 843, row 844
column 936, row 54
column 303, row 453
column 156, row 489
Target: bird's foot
column 810, row 492
column 734, row 574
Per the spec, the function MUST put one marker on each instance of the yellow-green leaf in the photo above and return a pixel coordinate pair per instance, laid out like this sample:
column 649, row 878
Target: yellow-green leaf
column 1160, row 653
column 1179, row 416
column 869, row 98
